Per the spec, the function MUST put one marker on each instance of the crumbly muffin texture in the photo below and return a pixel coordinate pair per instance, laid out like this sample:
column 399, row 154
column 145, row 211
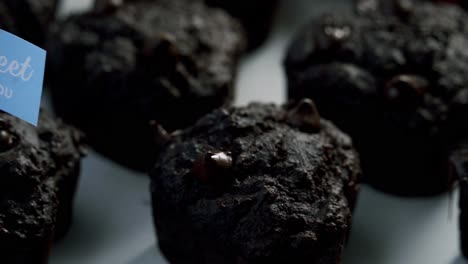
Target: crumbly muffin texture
column 257, row 184
column 37, row 166
column 397, row 83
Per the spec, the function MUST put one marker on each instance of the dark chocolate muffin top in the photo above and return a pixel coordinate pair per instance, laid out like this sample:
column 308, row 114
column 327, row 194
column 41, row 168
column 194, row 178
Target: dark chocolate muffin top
column 32, row 162
column 426, row 46
column 149, row 57
column 396, row 81
column 260, row 182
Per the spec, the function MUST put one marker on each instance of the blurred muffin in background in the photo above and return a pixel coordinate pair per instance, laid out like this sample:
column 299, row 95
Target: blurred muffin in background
column 117, row 67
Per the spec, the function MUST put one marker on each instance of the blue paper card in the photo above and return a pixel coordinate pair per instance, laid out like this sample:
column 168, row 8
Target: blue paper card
column 22, row 66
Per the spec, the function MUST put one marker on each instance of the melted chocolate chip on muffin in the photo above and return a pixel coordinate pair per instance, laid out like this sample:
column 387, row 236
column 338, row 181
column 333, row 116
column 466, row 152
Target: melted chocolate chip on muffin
column 257, row 184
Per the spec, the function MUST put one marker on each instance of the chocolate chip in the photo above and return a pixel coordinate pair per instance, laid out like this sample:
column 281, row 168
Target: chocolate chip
column 219, row 160
column 161, row 48
column 160, row 45
column 7, row 140
column 160, row 135
column 406, row 89
column 212, row 166
column 337, row 33
column 332, row 34
column 305, row 116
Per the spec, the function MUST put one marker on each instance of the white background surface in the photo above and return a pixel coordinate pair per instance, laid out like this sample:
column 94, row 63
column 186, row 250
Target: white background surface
column 113, row 223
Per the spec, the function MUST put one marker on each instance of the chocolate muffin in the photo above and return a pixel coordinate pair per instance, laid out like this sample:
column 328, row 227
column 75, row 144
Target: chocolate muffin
column 28, row 19
column 39, row 168
column 257, row 184
column 256, row 16
column 398, row 84
column 122, row 66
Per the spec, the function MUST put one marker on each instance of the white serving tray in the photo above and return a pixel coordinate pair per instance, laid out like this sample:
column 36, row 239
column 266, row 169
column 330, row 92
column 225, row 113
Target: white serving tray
column 113, row 223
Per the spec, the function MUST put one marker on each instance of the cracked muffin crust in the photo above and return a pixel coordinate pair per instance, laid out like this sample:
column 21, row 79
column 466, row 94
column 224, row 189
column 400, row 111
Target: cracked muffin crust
column 39, row 168
column 257, row 184
column 396, row 83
